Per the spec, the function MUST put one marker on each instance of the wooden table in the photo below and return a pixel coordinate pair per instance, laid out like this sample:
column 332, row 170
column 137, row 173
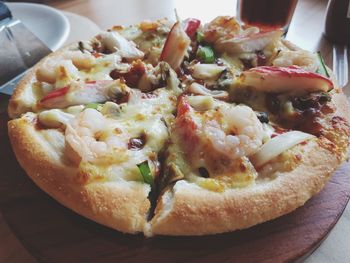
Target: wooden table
column 305, row 30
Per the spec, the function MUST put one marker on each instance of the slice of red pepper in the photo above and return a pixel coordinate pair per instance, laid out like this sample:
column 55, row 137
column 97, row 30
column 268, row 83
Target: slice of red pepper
column 191, row 26
column 55, row 93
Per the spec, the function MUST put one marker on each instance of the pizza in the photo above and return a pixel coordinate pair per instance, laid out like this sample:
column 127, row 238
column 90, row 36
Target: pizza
column 180, row 128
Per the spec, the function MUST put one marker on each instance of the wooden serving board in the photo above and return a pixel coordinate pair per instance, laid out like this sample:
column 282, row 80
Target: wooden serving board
column 52, row 233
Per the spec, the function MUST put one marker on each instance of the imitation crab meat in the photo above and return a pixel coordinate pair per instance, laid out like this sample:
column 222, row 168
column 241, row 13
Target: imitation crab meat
column 247, row 43
column 175, row 47
column 285, row 79
column 85, row 92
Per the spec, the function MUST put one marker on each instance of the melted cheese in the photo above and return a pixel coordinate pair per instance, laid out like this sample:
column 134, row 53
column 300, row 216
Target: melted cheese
column 132, row 120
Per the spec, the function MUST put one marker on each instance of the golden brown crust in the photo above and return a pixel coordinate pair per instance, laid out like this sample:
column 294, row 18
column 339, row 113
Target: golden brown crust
column 186, row 209
column 119, row 205
column 23, row 99
column 196, row 211
column 342, row 105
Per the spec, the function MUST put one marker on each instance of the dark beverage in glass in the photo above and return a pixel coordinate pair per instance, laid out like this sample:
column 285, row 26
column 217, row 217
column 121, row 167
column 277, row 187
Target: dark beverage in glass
column 338, row 21
column 266, row 14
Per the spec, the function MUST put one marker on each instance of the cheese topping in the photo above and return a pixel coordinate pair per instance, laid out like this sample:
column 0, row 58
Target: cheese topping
column 214, row 141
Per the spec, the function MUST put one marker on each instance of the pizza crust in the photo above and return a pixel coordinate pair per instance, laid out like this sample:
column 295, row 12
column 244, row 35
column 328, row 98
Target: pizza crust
column 342, row 103
column 23, row 99
column 188, row 209
column 120, row 205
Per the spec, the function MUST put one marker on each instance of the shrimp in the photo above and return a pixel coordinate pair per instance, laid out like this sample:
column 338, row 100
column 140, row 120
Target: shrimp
column 301, row 58
column 85, row 92
column 85, row 139
column 65, row 67
column 243, row 123
column 52, row 70
column 285, row 79
column 81, row 60
column 228, row 131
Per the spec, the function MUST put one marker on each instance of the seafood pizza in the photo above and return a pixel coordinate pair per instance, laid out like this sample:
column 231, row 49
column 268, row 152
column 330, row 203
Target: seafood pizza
column 180, row 128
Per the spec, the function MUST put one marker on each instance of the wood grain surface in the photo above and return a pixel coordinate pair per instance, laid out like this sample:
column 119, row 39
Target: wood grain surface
column 52, row 233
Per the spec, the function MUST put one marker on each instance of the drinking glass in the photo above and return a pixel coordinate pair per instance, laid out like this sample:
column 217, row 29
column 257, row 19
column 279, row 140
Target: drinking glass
column 266, row 14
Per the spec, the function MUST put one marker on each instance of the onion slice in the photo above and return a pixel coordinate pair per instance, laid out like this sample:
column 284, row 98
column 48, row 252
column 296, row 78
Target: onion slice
column 199, row 89
column 278, row 145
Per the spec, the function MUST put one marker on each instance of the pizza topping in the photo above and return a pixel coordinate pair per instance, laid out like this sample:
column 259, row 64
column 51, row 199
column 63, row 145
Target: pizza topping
column 273, row 104
column 95, row 106
column 263, row 117
column 302, row 58
column 132, row 76
column 201, row 103
column 199, row 89
column 246, row 43
column 175, row 47
column 205, row 54
column 160, row 76
column 313, row 100
column 111, row 109
column 81, row 60
column 207, row 71
column 55, row 94
column 269, row 131
column 145, row 172
column 233, row 63
column 203, row 172
column 84, row 93
column 162, row 107
column 173, row 174
column 225, row 133
column 221, row 27
column 149, row 37
column 53, row 69
column 137, row 143
column 278, row 145
column 261, row 58
column 114, row 42
column 191, row 26
column 54, row 118
column 241, row 174
column 283, row 163
column 243, row 135
column 147, row 25
column 300, row 112
column 81, row 137
column 291, row 79
column 322, row 69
